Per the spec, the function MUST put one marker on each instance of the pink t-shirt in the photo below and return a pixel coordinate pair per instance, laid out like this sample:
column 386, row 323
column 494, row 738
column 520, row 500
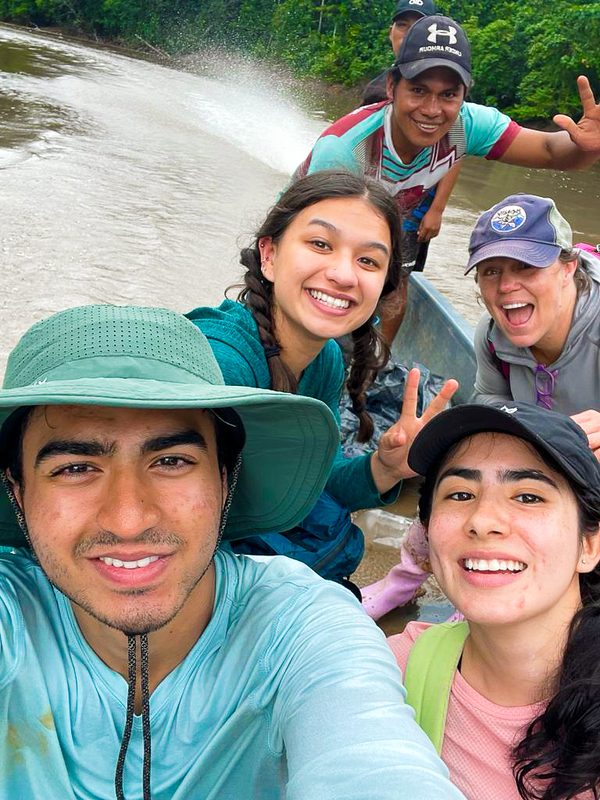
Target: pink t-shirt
column 479, row 734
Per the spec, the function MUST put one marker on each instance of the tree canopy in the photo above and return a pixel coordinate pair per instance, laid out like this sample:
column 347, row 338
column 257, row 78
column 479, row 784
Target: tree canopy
column 526, row 53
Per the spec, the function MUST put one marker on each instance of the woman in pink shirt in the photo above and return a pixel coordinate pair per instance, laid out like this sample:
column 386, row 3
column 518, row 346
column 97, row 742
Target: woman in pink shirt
column 511, row 505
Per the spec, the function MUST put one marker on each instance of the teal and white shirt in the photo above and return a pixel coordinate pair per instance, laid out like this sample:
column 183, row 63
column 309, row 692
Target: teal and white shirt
column 362, row 142
column 291, row 692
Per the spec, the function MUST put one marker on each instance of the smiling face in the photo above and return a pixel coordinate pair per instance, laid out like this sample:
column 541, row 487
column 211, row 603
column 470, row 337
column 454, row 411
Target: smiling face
column 123, row 508
column 328, row 271
column 424, row 109
column 532, row 306
column 503, row 533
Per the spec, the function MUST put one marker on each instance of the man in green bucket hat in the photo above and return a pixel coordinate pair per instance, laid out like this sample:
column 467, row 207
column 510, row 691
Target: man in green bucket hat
column 137, row 659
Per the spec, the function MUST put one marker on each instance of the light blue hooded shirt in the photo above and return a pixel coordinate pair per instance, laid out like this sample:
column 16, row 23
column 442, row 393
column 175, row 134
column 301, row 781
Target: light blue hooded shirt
column 290, row 692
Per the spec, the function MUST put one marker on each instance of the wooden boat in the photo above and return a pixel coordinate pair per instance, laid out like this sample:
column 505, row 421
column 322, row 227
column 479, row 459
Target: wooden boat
column 434, row 334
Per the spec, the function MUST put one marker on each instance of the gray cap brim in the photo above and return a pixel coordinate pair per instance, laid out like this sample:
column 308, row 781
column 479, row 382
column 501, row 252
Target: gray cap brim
column 413, row 69
column 535, row 254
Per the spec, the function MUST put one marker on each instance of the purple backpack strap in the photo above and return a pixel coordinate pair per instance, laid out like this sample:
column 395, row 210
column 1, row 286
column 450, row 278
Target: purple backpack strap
column 503, row 366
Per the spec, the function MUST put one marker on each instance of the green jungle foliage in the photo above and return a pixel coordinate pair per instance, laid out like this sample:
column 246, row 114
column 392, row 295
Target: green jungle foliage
column 526, row 53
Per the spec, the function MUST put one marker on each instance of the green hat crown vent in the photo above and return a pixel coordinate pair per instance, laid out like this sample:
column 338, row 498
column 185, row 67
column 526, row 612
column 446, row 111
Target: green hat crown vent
column 92, row 332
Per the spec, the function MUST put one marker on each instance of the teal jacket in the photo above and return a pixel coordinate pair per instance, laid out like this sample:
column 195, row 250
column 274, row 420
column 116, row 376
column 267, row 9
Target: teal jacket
column 235, row 340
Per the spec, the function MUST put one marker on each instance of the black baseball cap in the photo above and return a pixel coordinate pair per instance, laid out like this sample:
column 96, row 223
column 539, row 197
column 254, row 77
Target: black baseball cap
column 423, row 7
column 435, row 41
column 554, row 433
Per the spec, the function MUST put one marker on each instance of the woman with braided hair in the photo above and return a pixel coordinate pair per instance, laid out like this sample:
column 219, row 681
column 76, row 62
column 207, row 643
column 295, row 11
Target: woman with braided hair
column 319, row 268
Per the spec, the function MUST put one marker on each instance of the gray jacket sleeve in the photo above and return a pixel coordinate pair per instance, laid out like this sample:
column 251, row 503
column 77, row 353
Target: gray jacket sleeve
column 490, row 384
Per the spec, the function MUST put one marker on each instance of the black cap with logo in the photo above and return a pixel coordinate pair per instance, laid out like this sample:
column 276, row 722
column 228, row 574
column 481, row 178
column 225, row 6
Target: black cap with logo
column 549, row 431
column 423, row 7
column 435, row 41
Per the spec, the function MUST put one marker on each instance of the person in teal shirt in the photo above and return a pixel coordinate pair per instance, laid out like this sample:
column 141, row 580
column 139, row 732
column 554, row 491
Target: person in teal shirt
column 321, row 267
column 139, row 661
column 410, row 142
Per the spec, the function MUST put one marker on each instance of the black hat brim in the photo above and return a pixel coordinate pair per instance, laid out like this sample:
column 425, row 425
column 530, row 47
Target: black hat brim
column 399, row 14
column 412, row 69
column 460, row 422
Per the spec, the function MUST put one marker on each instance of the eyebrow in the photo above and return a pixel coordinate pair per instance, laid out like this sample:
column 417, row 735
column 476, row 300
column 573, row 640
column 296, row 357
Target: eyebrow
column 333, row 229
column 74, row 447
column 97, row 447
column 460, row 472
column 513, row 475
column 168, row 441
column 504, row 475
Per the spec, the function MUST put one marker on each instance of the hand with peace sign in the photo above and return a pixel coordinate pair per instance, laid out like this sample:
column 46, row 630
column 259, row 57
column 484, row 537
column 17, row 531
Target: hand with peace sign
column 576, row 146
column 584, row 134
column 389, row 463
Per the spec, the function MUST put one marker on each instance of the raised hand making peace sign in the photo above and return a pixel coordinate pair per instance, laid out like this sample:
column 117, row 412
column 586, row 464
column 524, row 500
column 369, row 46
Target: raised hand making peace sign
column 389, row 463
column 576, row 146
column 584, row 134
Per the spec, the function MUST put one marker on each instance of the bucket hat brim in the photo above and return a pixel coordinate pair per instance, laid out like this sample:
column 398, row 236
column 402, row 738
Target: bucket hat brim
column 290, row 442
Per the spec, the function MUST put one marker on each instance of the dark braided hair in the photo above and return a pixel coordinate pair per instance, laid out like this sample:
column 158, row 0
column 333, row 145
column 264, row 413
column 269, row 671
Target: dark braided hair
column 370, row 353
column 558, row 757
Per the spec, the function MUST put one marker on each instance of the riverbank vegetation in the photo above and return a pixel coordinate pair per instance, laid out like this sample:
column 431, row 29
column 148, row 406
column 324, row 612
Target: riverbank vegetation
column 526, row 53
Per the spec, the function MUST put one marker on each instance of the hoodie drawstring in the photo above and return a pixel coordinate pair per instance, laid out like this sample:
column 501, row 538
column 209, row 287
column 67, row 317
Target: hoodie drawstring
column 131, row 681
column 145, row 715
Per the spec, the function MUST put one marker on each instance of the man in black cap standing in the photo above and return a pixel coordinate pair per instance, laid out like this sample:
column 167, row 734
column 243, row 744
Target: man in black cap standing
column 406, row 13
column 412, row 141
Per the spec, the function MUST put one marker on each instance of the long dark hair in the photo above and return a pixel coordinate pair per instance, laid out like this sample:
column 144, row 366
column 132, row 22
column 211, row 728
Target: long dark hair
column 370, row 353
column 559, row 755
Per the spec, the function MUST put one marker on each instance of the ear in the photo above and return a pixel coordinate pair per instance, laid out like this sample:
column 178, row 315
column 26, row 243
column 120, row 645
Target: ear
column 569, row 270
column 590, row 553
column 16, row 487
column 390, row 86
column 390, row 33
column 267, row 253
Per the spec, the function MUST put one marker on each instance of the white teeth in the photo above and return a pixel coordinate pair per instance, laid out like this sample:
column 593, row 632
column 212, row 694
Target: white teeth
column 334, row 302
column 116, row 562
column 494, row 565
column 508, row 306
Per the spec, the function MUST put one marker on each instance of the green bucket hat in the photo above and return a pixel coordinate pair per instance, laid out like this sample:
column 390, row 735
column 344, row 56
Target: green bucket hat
column 154, row 358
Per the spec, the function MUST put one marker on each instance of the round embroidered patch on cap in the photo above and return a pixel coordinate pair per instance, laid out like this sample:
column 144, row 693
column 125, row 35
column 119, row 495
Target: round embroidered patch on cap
column 508, row 219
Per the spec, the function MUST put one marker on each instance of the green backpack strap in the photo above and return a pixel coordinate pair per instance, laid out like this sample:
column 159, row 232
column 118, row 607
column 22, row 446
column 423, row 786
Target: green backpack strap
column 429, row 674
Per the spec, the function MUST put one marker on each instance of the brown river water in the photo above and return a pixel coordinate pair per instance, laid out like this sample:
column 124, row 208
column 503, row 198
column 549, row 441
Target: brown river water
column 128, row 181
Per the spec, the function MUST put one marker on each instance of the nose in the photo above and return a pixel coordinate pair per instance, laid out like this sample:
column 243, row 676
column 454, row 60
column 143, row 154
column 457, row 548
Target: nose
column 507, row 282
column 488, row 517
column 342, row 270
column 430, row 106
column 128, row 507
